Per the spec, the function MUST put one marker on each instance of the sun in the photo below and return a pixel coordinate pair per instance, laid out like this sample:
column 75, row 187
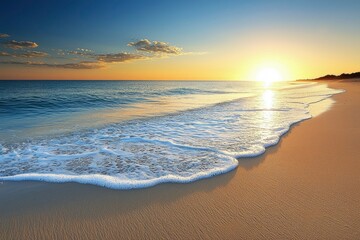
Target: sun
column 269, row 75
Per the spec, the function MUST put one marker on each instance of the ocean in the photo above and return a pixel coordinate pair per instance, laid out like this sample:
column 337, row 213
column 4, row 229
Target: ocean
column 135, row 134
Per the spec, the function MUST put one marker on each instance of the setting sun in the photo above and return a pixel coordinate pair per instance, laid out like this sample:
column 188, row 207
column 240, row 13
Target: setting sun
column 269, row 75
column 117, row 118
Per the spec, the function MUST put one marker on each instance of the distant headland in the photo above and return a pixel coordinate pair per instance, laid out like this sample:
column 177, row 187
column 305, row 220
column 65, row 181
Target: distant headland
column 341, row 76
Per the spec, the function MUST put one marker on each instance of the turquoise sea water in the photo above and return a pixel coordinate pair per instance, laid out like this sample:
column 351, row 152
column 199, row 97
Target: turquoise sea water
column 131, row 134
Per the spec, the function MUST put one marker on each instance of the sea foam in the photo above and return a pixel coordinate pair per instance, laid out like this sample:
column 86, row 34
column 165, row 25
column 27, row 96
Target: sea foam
column 179, row 147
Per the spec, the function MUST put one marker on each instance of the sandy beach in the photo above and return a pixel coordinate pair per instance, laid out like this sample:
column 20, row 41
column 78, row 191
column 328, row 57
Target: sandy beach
column 306, row 187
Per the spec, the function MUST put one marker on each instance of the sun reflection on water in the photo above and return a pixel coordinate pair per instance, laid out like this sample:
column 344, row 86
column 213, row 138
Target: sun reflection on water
column 267, row 104
column 268, row 99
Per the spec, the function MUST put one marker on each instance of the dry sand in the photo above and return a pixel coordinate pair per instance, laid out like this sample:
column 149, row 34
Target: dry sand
column 306, row 187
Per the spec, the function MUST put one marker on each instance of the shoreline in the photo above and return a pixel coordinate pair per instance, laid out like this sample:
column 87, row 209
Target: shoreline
column 313, row 108
column 298, row 189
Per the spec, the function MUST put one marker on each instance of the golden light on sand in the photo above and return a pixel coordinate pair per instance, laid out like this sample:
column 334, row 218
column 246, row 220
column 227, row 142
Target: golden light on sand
column 268, row 75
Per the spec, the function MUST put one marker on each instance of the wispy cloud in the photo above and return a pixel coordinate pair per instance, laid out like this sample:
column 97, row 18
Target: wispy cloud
column 4, row 35
column 81, row 52
column 79, row 65
column 155, row 47
column 27, row 54
column 59, row 52
column 20, row 45
column 119, row 57
column 5, row 54
column 31, row 54
column 145, row 49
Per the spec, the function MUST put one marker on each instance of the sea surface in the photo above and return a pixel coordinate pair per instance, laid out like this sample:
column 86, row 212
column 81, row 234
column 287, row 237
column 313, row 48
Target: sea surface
column 134, row 134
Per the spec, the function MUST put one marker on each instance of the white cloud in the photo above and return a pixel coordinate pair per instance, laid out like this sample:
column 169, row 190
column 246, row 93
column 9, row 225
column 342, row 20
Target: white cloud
column 155, row 47
column 19, row 45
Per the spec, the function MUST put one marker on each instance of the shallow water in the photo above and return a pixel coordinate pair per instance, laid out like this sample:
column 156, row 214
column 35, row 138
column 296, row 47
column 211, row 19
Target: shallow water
column 128, row 134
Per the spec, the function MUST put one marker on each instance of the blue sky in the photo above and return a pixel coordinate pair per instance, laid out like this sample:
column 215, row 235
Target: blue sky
column 195, row 26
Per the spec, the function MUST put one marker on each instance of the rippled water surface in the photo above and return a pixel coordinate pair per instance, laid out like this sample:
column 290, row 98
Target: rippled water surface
column 131, row 134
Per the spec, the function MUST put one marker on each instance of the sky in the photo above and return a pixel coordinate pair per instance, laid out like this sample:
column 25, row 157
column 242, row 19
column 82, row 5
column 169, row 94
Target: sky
column 177, row 40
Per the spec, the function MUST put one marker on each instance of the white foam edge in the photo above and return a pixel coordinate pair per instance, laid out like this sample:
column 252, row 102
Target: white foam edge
column 122, row 184
column 319, row 107
column 117, row 183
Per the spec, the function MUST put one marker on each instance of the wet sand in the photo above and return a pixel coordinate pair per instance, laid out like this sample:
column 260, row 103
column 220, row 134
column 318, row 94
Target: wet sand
column 306, row 187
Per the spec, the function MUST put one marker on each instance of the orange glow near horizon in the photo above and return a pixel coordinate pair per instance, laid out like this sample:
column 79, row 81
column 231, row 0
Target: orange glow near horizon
column 268, row 75
column 262, row 41
column 225, row 66
column 270, row 72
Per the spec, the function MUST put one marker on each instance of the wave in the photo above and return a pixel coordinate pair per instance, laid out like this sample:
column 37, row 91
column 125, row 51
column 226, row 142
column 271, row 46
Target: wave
column 77, row 101
column 180, row 147
column 187, row 91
